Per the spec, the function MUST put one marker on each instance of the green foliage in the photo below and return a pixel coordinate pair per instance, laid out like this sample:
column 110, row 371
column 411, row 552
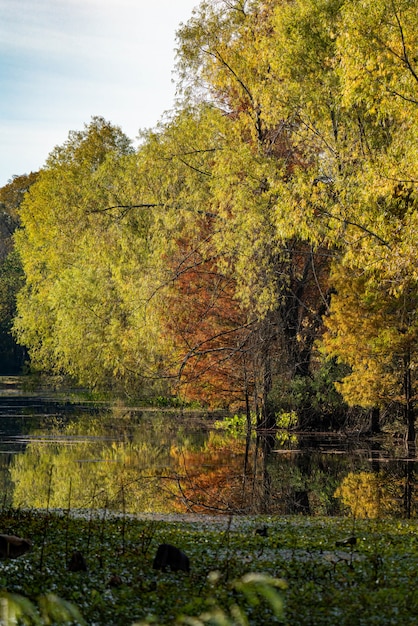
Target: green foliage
column 252, row 587
column 287, row 420
column 80, row 310
column 314, row 399
column 236, row 425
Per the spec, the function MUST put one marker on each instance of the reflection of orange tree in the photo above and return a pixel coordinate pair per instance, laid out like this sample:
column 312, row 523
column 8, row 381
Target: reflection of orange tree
column 368, row 494
column 157, row 468
column 216, row 478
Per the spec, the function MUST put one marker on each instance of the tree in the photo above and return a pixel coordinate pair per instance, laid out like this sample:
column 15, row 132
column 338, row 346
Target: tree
column 11, row 274
column 211, row 254
column 344, row 79
column 225, row 56
column 210, row 334
column 80, row 311
column 204, row 192
column 383, row 363
column 376, row 276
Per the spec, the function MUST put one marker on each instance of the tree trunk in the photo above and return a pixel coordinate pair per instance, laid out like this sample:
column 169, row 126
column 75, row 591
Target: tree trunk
column 409, row 404
column 408, row 489
column 375, row 421
column 267, row 419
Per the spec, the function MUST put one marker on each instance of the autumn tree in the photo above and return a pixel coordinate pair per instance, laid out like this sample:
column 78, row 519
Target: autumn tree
column 344, row 80
column 285, row 179
column 381, row 363
column 109, row 237
column 210, row 333
column 225, row 58
column 372, row 325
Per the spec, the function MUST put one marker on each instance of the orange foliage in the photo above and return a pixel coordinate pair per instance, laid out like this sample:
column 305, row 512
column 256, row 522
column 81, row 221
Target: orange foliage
column 214, row 480
column 208, row 330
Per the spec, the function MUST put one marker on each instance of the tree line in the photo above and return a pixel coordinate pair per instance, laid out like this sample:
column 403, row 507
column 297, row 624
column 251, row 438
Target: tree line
column 258, row 249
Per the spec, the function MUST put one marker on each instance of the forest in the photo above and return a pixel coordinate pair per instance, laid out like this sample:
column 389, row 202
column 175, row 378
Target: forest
column 257, row 251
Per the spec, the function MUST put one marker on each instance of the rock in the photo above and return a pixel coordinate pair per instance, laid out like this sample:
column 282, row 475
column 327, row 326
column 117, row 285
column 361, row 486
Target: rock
column 350, row 541
column 115, row 581
column 170, row 556
column 77, row 562
column 11, row 546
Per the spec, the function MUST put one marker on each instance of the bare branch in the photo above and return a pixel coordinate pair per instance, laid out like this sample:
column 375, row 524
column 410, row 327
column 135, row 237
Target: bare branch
column 197, row 350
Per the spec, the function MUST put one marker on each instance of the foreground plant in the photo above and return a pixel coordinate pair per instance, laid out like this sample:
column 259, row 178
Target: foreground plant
column 255, row 588
column 16, row 609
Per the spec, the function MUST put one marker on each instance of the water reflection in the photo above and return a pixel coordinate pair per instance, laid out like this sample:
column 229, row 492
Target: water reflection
column 62, row 455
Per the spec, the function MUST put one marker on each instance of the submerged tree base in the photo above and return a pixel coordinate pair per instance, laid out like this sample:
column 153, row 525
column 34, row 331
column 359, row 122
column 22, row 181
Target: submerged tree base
column 319, row 570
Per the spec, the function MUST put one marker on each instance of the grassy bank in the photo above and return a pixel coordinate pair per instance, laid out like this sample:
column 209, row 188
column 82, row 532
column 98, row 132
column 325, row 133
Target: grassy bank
column 324, row 580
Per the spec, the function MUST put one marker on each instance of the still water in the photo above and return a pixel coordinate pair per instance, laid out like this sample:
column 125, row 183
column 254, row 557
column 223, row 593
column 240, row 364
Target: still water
column 60, row 452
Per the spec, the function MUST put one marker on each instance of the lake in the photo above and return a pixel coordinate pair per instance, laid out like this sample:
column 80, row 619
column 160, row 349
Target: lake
column 60, row 451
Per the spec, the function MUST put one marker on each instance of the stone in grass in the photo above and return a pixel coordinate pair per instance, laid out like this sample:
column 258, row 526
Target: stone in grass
column 11, row 546
column 350, row 541
column 170, row 556
column 115, row 581
column 77, row 562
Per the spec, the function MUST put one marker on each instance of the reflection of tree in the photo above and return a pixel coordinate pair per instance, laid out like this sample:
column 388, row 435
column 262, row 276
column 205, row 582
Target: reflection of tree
column 264, row 447
column 160, row 462
column 228, row 475
column 101, row 461
column 212, row 478
column 112, row 476
column 369, row 494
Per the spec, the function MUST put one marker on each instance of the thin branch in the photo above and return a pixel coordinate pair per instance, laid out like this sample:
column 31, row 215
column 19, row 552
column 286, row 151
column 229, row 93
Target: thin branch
column 190, row 152
column 312, row 128
column 128, row 207
column 405, row 181
column 195, row 169
column 402, row 96
column 220, row 58
column 201, row 372
column 405, row 57
column 355, row 224
column 197, row 351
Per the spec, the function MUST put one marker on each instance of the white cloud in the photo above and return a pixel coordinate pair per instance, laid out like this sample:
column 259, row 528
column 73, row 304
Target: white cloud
column 63, row 61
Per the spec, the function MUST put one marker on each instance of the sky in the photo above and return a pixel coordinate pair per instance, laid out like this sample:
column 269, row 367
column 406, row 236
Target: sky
column 64, row 61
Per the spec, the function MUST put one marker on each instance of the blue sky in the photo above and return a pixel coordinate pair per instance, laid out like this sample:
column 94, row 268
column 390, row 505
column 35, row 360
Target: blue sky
column 63, row 61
